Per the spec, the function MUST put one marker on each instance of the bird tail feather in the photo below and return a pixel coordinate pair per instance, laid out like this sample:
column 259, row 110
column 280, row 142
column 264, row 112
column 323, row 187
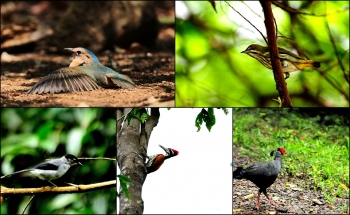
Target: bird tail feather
column 123, row 81
column 238, row 173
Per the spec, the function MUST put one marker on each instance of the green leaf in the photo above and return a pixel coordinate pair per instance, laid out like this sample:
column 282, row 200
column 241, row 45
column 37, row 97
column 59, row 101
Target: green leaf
column 123, row 184
column 124, row 178
column 210, row 122
column 199, row 119
column 225, row 110
column 144, row 117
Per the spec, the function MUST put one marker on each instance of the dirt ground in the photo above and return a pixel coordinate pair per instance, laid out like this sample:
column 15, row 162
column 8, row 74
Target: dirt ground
column 152, row 70
column 153, row 74
column 291, row 194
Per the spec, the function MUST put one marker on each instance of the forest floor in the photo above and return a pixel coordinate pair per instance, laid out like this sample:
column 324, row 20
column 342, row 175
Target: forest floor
column 288, row 192
column 151, row 69
column 153, row 74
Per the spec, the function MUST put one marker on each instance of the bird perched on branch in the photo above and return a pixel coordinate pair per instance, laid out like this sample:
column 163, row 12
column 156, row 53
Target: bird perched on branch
column 52, row 169
column 290, row 62
column 84, row 73
column 262, row 174
column 155, row 161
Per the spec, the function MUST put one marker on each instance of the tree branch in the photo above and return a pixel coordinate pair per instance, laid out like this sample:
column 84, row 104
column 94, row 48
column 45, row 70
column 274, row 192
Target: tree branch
column 275, row 61
column 44, row 190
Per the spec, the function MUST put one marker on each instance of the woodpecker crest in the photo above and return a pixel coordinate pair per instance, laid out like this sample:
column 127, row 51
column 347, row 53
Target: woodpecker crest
column 155, row 161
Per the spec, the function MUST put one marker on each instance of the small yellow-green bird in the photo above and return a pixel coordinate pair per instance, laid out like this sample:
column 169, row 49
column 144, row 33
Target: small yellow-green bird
column 85, row 73
column 290, row 61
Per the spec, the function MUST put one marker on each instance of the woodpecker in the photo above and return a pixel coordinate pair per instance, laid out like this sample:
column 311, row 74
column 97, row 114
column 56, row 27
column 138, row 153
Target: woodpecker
column 155, row 161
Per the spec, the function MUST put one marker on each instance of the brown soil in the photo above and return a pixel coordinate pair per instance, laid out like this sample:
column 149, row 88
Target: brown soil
column 153, row 75
column 152, row 71
column 290, row 199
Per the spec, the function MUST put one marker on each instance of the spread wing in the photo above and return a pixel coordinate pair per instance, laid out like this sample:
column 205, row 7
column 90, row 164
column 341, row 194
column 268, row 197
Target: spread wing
column 120, row 80
column 64, row 80
column 107, row 77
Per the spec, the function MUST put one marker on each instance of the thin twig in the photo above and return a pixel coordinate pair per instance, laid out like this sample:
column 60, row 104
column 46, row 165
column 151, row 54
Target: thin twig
column 28, row 203
column 295, row 11
column 111, row 159
column 126, row 116
column 335, row 50
column 248, row 22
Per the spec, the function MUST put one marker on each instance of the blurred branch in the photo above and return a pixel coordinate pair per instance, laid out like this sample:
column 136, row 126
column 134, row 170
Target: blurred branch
column 295, row 11
column 340, row 63
column 30, row 200
column 110, row 159
column 248, row 21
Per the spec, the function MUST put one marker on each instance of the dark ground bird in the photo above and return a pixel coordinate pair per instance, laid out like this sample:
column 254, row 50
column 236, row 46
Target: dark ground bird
column 85, row 73
column 262, row 174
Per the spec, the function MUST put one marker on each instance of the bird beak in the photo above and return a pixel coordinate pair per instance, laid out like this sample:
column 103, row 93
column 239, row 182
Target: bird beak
column 165, row 149
column 80, row 164
column 69, row 49
column 75, row 62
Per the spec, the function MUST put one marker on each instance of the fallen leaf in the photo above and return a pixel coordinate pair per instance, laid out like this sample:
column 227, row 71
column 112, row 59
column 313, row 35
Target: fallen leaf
column 251, row 196
column 301, row 197
column 236, row 210
column 317, row 201
column 331, row 207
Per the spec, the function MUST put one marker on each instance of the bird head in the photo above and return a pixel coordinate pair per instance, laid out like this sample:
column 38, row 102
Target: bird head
column 72, row 160
column 82, row 57
column 255, row 48
column 282, row 150
column 169, row 151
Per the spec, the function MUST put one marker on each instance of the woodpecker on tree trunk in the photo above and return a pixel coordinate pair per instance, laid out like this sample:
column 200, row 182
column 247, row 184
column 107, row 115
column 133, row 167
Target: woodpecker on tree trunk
column 155, row 161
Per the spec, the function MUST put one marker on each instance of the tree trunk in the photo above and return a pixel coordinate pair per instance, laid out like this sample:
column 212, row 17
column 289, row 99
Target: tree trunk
column 132, row 144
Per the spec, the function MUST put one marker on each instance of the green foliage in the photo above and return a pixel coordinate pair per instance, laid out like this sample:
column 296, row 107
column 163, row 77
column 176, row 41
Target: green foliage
column 134, row 115
column 211, row 71
column 316, row 141
column 31, row 135
column 207, row 116
column 123, row 184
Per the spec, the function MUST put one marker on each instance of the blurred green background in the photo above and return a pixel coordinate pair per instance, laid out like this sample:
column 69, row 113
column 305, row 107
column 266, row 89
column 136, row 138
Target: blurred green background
column 212, row 71
column 31, row 135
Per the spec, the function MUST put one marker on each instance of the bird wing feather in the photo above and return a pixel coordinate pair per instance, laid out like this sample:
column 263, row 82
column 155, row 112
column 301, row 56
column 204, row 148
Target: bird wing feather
column 264, row 169
column 65, row 80
column 107, row 77
column 121, row 80
column 46, row 166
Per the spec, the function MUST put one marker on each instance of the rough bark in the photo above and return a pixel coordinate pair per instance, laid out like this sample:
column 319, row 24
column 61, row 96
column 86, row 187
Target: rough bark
column 132, row 144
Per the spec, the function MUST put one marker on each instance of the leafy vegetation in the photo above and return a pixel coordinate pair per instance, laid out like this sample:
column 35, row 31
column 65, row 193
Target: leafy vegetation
column 30, row 135
column 208, row 117
column 211, row 71
column 316, row 140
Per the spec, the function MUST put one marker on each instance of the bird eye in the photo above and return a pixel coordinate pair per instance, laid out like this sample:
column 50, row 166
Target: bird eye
column 79, row 52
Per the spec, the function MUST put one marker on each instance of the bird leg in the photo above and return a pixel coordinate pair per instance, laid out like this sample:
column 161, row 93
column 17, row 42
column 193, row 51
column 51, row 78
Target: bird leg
column 271, row 202
column 257, row 205
column 51, row 183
